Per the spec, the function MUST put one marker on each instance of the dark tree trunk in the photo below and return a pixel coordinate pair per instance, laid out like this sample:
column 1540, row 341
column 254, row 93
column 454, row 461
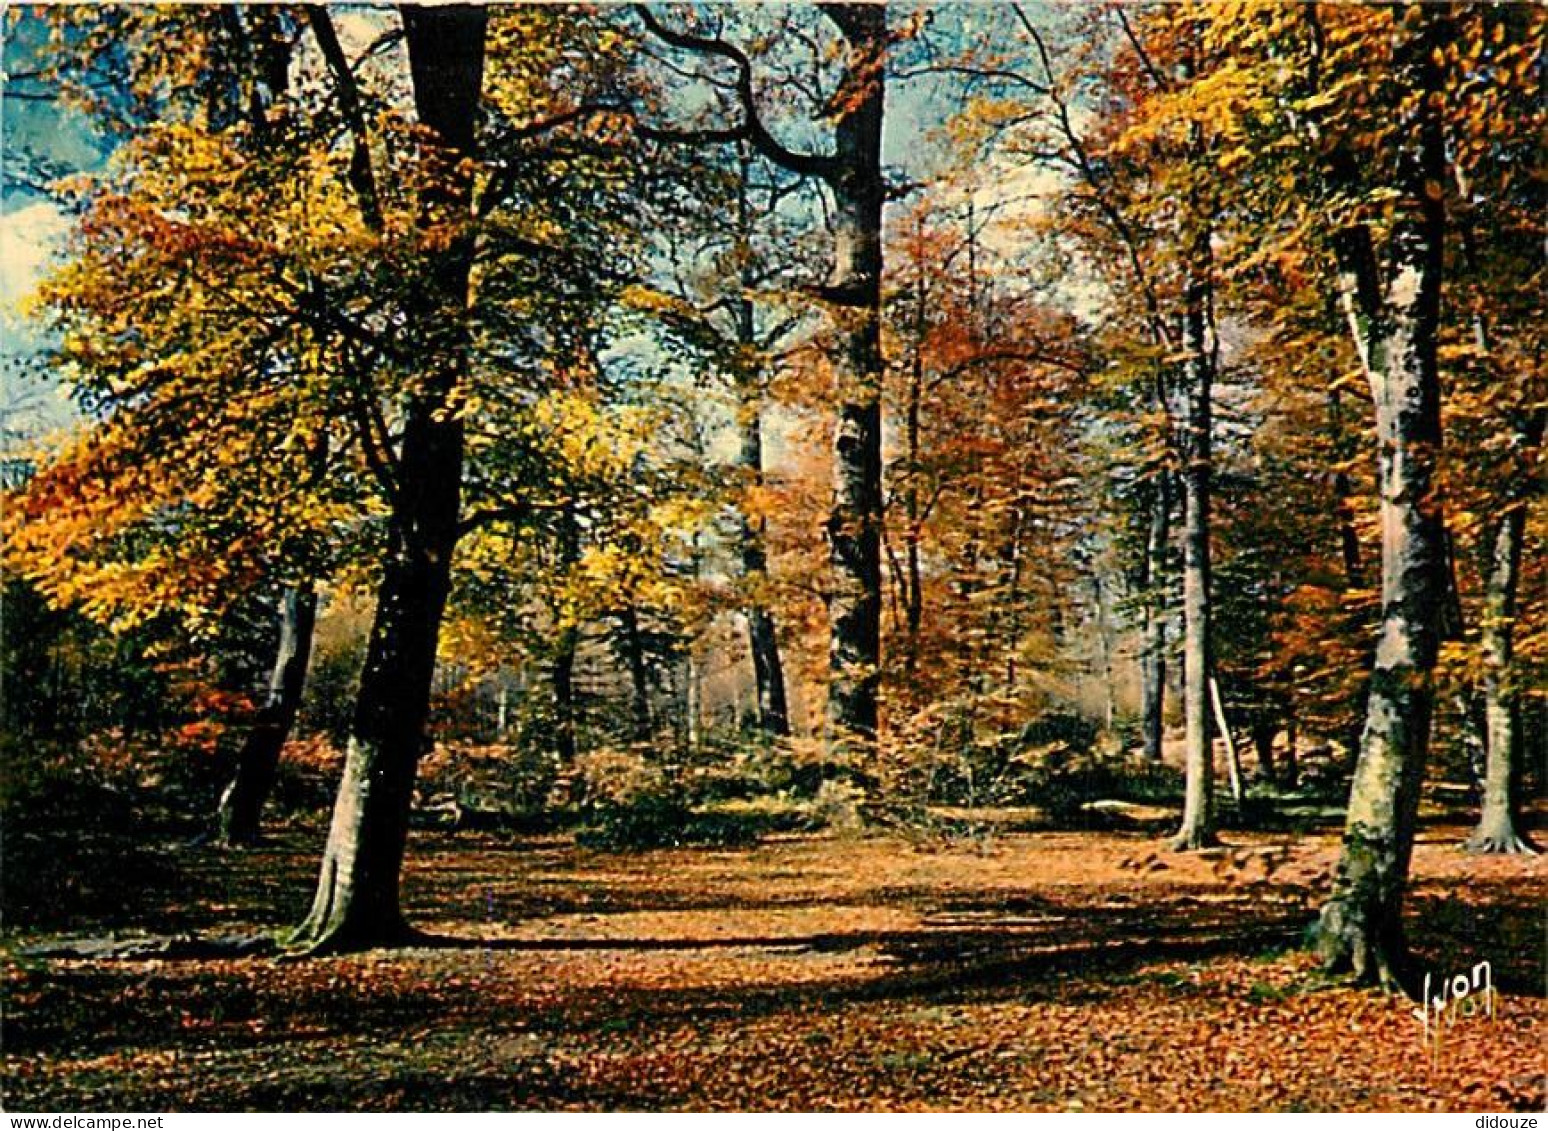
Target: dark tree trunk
column 763, row 642
column 357, row 899
column 1263, row 734
column 266, row 51
column 563, row 676
column 762, row 638
column 639, row 675
column 693, row 697
column 1198, row 802
column 1104, row 649
column 1343, row 495
column 1153, row 656
column 241, row 805
column 565, row 647
column 1472, row 725
column 1015, row 552
column 913, row 588
column 854, row 525
column 854, row 175
column 1395, row 327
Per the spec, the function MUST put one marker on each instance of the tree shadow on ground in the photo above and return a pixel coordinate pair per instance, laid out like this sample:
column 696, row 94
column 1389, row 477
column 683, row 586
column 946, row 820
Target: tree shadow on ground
column 991, row 947
column 644, row 960
column 1100, row 956
column 920, row 967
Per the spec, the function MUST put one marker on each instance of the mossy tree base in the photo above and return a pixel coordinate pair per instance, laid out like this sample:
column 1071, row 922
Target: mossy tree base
column 1350, row 942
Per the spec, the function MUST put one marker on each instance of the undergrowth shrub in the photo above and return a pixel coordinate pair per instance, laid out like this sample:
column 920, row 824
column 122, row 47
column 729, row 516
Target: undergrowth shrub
column 630, row 799
column 307, row 777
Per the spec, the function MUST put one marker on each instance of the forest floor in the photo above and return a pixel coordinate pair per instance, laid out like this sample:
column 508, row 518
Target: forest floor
column 1074, row 970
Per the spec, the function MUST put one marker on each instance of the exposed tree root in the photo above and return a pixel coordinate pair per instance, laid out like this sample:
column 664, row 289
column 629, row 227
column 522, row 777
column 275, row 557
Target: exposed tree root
column 164, row 947
column 1499, row 843
column 344, row 937
column 1193, row 841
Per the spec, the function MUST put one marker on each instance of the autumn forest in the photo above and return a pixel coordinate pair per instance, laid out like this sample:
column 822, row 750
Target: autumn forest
column 780, row 556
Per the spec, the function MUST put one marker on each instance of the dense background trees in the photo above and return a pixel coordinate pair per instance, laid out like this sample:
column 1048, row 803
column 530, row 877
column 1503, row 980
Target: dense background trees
column 836, row 411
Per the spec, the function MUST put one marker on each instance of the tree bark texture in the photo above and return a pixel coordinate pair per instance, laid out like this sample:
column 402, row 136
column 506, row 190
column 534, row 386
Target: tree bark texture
column 1496, row 831
column 762, row 636
column 641, row 723
column 1395, row 325
column 567, row 644
column 357, row 900
column 241, row 805
column 1153, row 656
column 854, row 289
column 1198, row 799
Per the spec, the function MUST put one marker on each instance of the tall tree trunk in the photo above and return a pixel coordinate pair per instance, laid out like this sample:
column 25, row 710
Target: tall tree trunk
column 1264, row 731
column 357, row 900
column 1496, row 831
column 1104, row 628
column 693, row 676
column 241, row 805
column 562, row 673
column 762, row 636
column 258, row 37
column 1501, row 730
column 641, row 724
column 562, row 676
column 693, row 696
column 913, row 590
column 854, row 525
column 1395, row 327
column 1343, row 495
column 1153, row 656
column 1467, row 702
column 1198, row 802
column 768, row 671
column 1349, row 551
column 853, row 173
column 1016, row 552
column 1233, row 760
column 763, row 639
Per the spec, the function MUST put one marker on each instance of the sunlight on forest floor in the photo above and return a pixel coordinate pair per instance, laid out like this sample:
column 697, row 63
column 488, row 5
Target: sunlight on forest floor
column 1059, row 970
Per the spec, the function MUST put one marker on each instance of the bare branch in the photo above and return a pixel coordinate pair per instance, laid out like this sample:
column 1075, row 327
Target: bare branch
column 361, row 176
column 988, row 74
column 752, row 128
column 1139, row 49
